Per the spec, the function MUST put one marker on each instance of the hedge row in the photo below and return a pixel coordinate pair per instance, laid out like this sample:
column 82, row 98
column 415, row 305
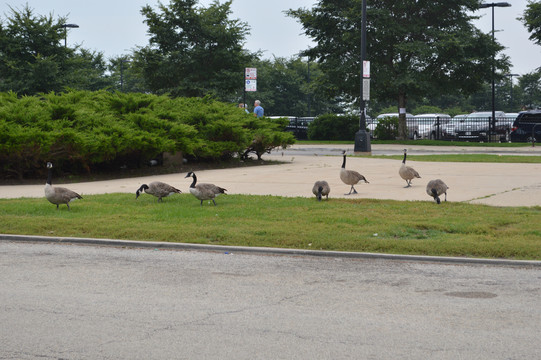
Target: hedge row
column 80, row 131
column 343, row 127
column 333, row 127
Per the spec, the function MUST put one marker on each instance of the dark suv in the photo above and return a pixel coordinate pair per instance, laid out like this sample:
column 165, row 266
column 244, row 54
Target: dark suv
column 527, row 126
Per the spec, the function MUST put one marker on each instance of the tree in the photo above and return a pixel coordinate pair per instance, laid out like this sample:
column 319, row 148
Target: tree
column 30, row 52
column 288, row 87
column 125, row 76
column 193, row 51
column 86, row 70
column 532, row 20
column 417, row 48
column 33, row 58
column 531, row 87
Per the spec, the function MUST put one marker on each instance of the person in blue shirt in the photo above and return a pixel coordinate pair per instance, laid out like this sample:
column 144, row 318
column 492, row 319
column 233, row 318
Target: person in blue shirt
column 258, row 109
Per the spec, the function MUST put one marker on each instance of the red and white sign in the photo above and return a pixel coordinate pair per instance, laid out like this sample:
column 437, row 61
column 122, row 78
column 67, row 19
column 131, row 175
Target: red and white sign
column 366, row 69
column 251, row 73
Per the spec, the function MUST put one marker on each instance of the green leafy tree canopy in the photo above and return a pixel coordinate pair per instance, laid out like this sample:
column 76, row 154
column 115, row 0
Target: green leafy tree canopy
column 532, row 20
column 193, row 50
column 416, row 48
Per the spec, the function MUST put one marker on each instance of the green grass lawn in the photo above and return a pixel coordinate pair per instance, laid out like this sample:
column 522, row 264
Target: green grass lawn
column 384, row 226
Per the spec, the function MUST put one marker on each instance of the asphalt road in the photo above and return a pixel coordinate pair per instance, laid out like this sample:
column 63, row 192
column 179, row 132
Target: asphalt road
column 60, row 301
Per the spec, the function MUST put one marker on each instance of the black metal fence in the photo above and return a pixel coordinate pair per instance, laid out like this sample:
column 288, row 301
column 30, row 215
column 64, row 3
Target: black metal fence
column 478, row 129
column 299, row 126
column 474, row 129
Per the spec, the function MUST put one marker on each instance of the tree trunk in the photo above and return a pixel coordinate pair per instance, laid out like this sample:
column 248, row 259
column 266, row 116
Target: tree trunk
column 402, row 126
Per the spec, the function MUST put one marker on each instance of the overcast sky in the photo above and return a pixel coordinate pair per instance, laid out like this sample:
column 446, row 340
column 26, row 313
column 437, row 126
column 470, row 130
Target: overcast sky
column 116, row 27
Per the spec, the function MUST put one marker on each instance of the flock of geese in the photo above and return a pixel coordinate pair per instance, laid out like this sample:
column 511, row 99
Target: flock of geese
column 434, row 188
column 203, row 191
column 61, row 195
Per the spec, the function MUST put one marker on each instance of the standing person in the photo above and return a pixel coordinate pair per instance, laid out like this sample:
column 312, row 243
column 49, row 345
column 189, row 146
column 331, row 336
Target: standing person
column 245, row 107
column 258, row 109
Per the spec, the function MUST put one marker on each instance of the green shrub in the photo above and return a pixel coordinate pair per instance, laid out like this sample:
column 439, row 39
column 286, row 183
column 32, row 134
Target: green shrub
column 333, row 127
column 387, row 128
column 268, row 134
column 82, row 131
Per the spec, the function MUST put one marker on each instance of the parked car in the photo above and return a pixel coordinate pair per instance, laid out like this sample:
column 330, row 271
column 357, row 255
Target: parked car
column 449, row 130
column 503, row 127
column 430, row 126
column 412, row 131
column 476, row 125
column 297, row 125
column 527, row 126
column 371, row 125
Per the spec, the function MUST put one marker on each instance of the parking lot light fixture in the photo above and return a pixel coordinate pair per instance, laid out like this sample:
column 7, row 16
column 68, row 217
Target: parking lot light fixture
column 65, row 27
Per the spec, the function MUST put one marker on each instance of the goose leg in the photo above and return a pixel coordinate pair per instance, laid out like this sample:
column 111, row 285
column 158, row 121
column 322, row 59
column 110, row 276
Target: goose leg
column 214, row 202
column 201, row 202
column 68, row 206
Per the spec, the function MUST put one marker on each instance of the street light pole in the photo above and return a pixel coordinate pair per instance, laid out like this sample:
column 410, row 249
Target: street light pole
column 65, row 27
column 362, row 138
column 493, row 5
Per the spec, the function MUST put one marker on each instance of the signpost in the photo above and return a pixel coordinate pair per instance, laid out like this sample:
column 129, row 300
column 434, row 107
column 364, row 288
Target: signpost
column 366, row 80
column 362, row 137
column 250, row 81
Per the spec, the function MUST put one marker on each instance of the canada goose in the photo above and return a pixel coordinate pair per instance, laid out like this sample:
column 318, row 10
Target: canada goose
column 158, row 189
column 58, row 195
column 321, row 188
column 435, row 188
column 204, row 191
column 406, row 172
column 350, row 177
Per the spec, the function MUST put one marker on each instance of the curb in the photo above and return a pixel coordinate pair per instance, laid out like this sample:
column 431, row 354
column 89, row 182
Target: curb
column 266, row 251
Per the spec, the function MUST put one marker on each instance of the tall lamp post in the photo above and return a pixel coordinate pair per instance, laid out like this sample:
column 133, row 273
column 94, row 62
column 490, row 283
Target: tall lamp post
column 493, row 5
column 65, row 27
column 362, row 138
